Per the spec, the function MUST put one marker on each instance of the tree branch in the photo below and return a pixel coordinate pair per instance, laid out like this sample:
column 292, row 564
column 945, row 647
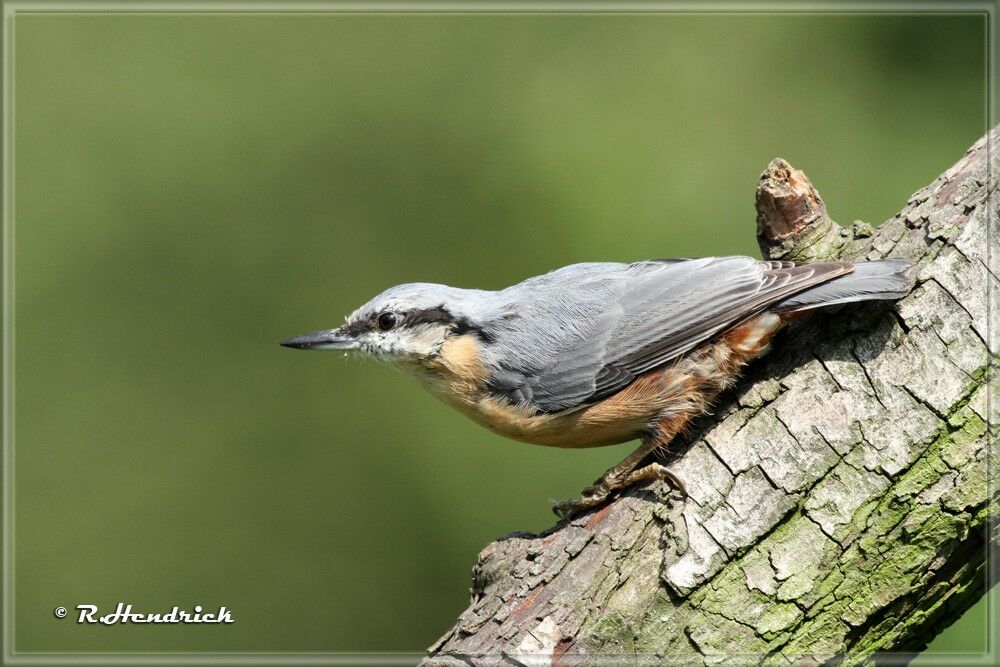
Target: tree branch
column 838, row 502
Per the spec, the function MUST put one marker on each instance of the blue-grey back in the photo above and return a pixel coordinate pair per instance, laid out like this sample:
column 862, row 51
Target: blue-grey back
column 577, row 334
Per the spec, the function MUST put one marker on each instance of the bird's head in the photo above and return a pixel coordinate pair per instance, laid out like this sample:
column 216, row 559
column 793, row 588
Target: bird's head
column 405, row 324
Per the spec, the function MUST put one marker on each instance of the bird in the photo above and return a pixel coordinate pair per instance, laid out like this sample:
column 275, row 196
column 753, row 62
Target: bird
column 600, row 353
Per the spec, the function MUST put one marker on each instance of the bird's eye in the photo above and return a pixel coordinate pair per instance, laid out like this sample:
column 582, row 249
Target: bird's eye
column 387, row 321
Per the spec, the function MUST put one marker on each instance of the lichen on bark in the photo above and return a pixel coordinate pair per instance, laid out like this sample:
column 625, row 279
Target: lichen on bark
column 838, row 503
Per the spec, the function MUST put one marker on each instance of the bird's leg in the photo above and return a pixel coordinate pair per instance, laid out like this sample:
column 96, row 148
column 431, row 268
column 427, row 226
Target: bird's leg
column 624, row 474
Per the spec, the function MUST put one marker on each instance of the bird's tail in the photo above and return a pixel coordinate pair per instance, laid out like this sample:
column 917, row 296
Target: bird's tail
column 885, row 279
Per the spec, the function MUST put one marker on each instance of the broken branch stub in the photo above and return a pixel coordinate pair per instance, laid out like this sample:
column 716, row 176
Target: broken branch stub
column 792, row 222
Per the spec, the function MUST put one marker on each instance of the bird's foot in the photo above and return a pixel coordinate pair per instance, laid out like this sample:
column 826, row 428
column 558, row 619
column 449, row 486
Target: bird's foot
column 597, row 494
column 589, row 498
column 655, row 471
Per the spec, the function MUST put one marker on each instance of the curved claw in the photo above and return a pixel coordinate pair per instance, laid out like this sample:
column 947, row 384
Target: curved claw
column 676, row 481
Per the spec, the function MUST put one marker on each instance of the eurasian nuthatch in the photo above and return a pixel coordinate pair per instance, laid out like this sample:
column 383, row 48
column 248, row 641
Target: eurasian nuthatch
column 600, row 353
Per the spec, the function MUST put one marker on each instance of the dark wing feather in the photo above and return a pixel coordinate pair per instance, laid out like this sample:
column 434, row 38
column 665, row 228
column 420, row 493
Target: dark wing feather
column 650, row 316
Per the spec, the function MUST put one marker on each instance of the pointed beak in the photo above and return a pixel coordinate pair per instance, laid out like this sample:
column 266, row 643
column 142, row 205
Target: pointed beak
column 331, row 339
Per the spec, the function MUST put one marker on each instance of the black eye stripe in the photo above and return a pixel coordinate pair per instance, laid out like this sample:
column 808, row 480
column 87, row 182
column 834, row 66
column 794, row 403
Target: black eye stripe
column 355, row 329
column 435, row 315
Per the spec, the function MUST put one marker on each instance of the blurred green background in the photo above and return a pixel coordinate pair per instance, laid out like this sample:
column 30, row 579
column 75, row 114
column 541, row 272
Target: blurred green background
column 189, row 190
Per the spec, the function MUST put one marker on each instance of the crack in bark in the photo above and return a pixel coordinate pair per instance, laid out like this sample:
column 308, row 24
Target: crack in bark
column 871, row 383
column 958, row 303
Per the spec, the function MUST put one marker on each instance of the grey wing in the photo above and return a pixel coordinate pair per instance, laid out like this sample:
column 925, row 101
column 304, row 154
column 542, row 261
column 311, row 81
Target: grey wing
column 639, row 318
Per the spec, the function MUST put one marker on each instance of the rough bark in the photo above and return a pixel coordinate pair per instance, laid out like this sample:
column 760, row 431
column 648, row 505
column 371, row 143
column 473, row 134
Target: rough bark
column 838, row 501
